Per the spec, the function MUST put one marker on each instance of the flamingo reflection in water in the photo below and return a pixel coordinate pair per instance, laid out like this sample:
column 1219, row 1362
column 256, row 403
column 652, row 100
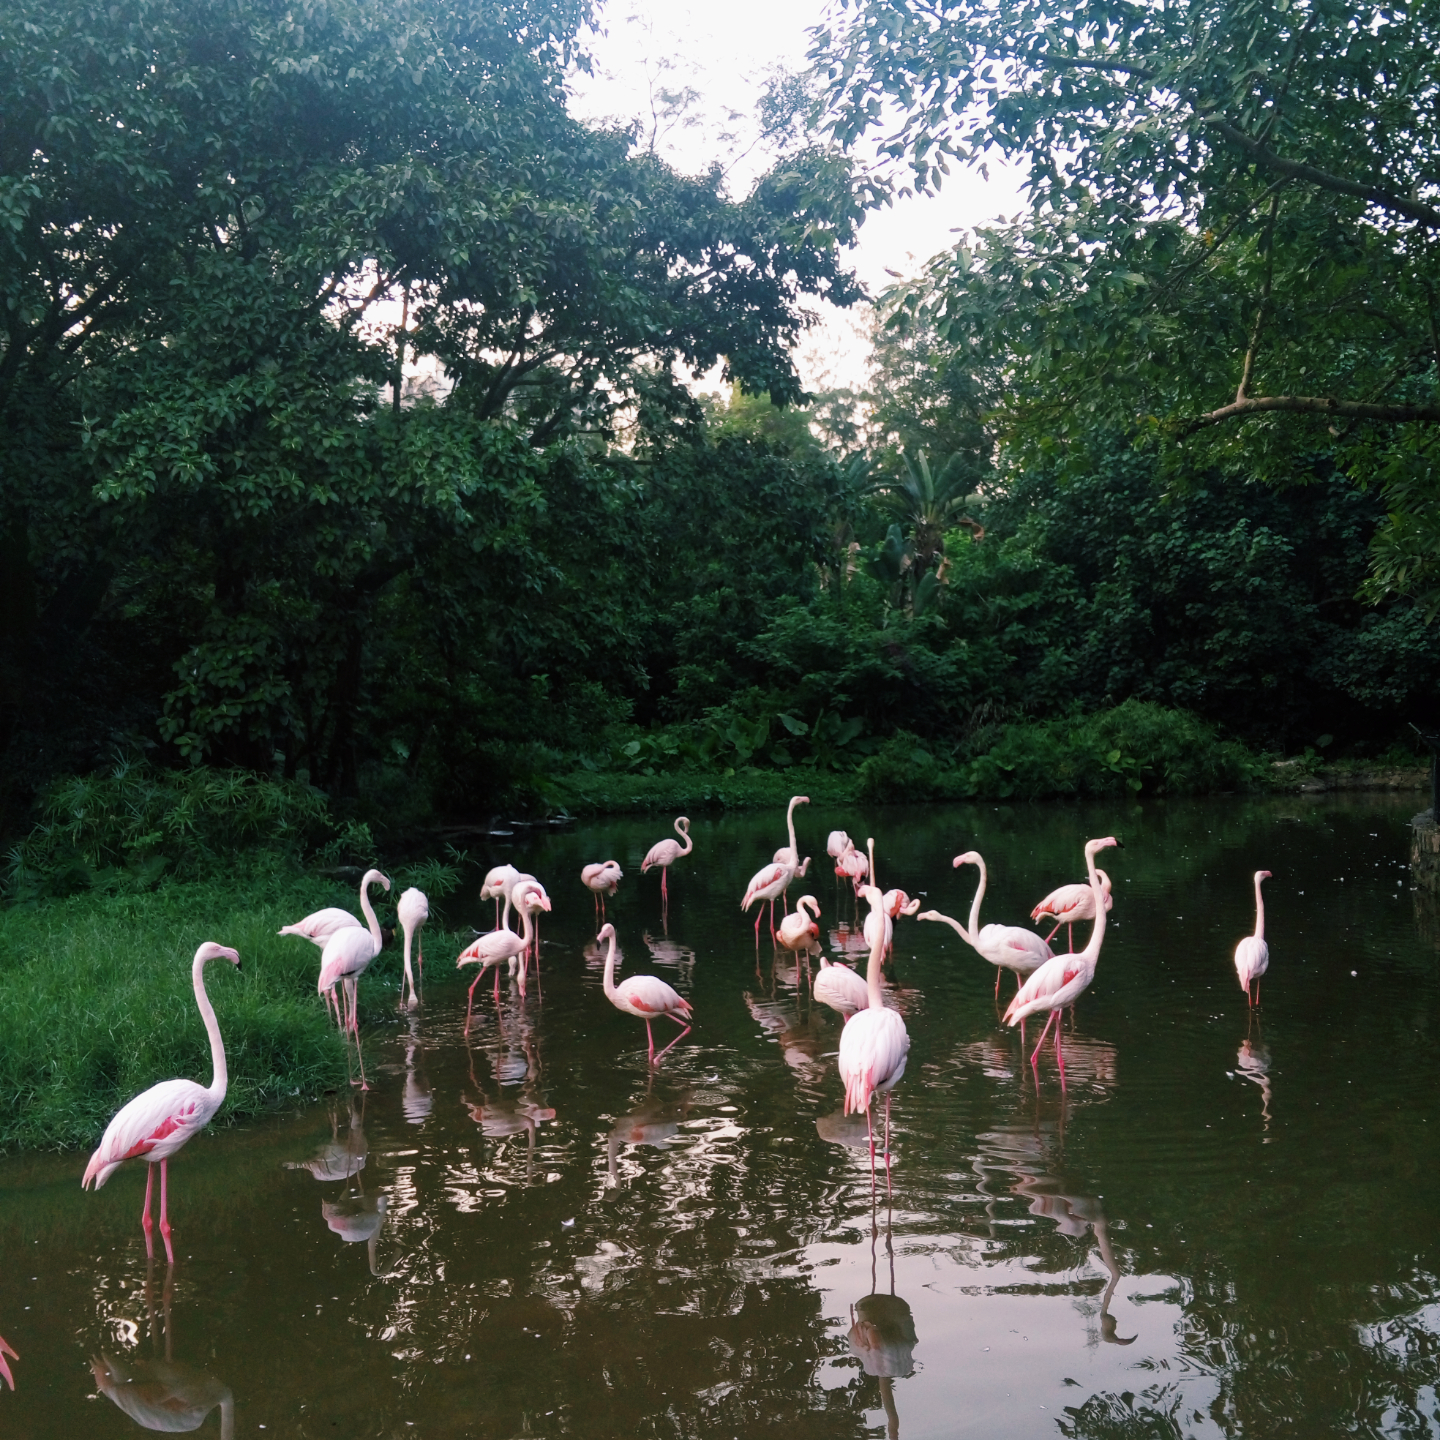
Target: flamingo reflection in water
column 663, row 951
column 163, row 1394
column 797, row 1036
column 357, row 1218
column 1024, row 1154
column 416, row 1101
column 882, row 1333
column 508, row 1114
column 338, row 1159
column 1252, row 1063
column 654, row 1121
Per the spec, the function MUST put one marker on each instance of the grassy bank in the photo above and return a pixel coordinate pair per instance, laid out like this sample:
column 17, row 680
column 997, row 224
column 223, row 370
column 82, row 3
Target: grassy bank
column 96, row 1002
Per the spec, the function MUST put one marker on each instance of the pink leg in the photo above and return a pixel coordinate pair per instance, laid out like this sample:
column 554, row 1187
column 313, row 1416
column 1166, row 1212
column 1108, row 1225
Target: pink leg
column 1257, row 994
column 165, row 1210
column 146, row 1223
column 758, row 916
column 1070, row 931
column 772, row 920
column 1035, row 1058
column 889, row 1189
column 1054, row 932
column 997, row 982
column 360, row 1055
column 684, row 1031
column 650, row 1039
column 1059, row 1057
column 870, row 1131
column 470, row 1004
column 420, row 948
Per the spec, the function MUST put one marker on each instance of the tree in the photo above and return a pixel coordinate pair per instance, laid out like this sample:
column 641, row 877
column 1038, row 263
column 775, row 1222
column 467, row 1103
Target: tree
column 1233, row 245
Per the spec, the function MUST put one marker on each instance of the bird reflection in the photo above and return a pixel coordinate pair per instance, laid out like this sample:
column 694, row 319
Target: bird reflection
column 842, row 1129
column 845, row 940
column 416, row 1101
column 798, row 1038
column 163, row 1394
column 339, row 1159
column 882, row 1333
column 356, row 1218
column 1024, row 1155
column 514, row 1062
column 664, row 951
column 655, row 1121
column 1253, row 1064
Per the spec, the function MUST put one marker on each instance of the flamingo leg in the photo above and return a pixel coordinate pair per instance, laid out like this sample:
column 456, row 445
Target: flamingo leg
column 146, row 1223
column 1054, row 932
column 470, row 1002
column 4, row 1368
column 997, row 982
column 758, row 914
column 650, row 1039
column 1070, row 931
column 165, row 1210
column 360, row 1055
column 870, row 1131
column 1060, row 1057
column 685, row 1030
column 420, row 947
column 889, row 1188
column 1257, row 994
column 1035, row 1058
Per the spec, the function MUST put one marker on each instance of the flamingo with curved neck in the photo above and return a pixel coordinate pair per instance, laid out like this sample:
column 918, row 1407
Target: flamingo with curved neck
column 789, row 854
column 665, row 853
column 1061, row 981
column 645, row 996
column 494, row 949
column 156, row 1123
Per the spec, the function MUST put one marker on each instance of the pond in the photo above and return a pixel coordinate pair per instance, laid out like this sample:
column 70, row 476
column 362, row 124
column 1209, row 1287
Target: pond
column 1225, row 1225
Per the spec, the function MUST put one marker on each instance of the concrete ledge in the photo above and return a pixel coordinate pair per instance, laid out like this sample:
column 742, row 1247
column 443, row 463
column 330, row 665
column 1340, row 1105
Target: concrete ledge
column 1425, row 850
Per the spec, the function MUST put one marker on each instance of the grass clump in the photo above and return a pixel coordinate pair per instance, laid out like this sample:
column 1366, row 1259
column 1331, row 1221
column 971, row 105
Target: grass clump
column 96, row 1003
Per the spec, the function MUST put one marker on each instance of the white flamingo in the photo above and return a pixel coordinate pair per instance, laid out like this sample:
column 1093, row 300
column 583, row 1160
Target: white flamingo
column 1069, row 905
column 665, row 853
column 1252, row 954
column 645, row 996
column 413, row 910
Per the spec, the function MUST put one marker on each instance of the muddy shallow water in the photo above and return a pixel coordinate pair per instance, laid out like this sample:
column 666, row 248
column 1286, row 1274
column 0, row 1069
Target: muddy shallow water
column 1226, row 1226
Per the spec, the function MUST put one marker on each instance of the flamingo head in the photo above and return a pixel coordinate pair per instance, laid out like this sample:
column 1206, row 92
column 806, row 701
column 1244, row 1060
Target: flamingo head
column 970, row 857
column 533, row 897
column 1262, row 875
column 374, row 877
column 871, row 896
column 211, row 951
column 607, row 932
column 1094, row 845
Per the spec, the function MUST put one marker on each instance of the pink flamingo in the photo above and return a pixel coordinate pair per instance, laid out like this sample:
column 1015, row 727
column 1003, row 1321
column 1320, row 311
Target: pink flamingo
column 1252, row 954
column 839, row 987
column 644, row 996
column 1069, row 905
column 346, row 957
column 665, row 853
column 413, row 910
column 800, row 931
column 602, row 879
column 837, row 843
column 320, row 926
column 1061, row 981
column 1007, row 947
column 155, row 1124
column 494, row 950
column 788, row 854
column 893, row 904
column 767, row 883
column 853, row 865
column 529, row 896
column 496, row 884
column 4, row 1366
column 873, row 1047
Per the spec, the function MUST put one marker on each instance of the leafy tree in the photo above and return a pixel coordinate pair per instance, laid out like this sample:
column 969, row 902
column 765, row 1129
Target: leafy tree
column 1233, row 236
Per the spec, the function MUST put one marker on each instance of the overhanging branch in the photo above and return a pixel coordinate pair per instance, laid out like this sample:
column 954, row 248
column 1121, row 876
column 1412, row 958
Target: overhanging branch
column 1317, row 405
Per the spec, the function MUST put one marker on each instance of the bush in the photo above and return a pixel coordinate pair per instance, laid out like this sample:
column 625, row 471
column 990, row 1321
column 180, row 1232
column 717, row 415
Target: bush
column 124, row 830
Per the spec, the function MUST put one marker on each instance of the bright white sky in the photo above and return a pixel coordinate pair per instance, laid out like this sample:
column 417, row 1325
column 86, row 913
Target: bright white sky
column 724, row 52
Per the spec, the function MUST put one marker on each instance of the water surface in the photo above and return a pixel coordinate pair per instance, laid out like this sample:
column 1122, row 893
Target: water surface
column 1226, row 1226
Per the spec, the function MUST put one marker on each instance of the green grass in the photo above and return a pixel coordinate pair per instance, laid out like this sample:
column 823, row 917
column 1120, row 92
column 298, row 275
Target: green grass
column 96, row 1002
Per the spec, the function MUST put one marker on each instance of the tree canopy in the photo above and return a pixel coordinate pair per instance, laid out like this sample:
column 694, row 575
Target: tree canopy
column 1233, row 243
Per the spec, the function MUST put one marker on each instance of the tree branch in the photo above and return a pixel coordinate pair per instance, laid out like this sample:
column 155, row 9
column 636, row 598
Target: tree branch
column 1316, row 405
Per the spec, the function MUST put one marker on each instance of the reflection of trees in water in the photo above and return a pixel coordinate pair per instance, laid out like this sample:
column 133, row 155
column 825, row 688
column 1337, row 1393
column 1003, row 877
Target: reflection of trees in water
column 160, row 1392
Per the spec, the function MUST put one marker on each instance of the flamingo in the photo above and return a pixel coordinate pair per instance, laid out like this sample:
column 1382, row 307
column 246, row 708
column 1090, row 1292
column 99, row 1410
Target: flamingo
column 346, row 957
column 4, row 1364
column 665, row 853
column 800, row 931
column 158, row 1122
column 1070, row 904
column 320, row 926
column 893, row 903
column 788, row 855
column 645, row 996
column 1006, row 947
column 839, row 987
column 1252, row 954
column 602, row 879
column 497, row 882
column 493, row 950
column 413, row 911
column 1061, row 981
column 853, row 865
column 529, row 896
column 166, row 1395
column 873, row 1047
column 767, row 883
column 837, row 844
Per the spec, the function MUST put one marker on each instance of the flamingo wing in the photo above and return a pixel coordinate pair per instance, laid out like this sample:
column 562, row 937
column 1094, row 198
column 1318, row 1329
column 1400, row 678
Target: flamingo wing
column 770, row 877
column 347, row 953
column 649, row 995
column 320, row 926
column 1252, row 960
column 155, row 1123
column 662, row 852
column 840, row 988
column 1049, row 987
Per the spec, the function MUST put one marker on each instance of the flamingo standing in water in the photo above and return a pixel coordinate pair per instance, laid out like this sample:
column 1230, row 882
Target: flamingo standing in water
column 497, row 885
column 839, row 987
column 1069, row 905
column 789, row 855
column 155, row 1124
column 645, row 996
column 800, row 931
column 1061, row 981
column 1252, row 954
column 494, row 950
column 346, row 957
column 665, row 853
column 602, row 879
column 853, row 865
column 413, row 911
column 767, row 883
column 320, row 926
column 4, row 1365
column 1006, row 947
column 873, row 1047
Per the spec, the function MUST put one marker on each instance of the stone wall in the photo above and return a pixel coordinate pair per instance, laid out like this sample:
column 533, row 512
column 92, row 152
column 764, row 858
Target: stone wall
column 1425, row 851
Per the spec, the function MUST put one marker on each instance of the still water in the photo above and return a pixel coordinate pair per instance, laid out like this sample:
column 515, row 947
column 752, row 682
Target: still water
column 1230, row 1225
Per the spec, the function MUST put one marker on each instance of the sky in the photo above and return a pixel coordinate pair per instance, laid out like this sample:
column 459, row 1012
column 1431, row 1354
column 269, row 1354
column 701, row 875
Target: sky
column 724, row 52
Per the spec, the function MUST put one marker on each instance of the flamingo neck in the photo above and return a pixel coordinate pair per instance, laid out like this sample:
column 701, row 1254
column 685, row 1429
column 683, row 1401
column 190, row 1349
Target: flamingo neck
column 407, row 949
column 870, row 850
column 221, row 1081
column 877, row 958
column 979, row 896
column 524, row 924
column 1259, row 911
column 1091, row 953
column 610, row 971
column 368, row 910
column 790, row 825
column 685, row 836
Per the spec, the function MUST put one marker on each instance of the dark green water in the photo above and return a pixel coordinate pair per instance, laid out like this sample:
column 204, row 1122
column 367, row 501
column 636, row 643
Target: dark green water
column 1230, row 1227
